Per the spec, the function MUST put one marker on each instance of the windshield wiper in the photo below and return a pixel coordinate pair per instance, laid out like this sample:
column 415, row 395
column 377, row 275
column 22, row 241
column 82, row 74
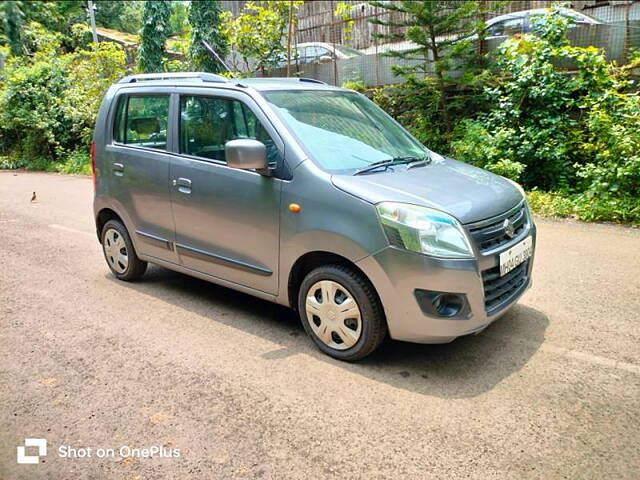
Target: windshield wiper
column 412, row 161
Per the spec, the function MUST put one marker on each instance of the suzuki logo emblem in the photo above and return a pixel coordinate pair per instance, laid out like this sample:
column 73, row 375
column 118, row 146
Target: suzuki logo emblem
column 508, row 228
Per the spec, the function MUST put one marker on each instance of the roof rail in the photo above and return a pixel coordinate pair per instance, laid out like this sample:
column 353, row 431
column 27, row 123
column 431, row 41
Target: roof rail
column 311, row 80
column 203, row 76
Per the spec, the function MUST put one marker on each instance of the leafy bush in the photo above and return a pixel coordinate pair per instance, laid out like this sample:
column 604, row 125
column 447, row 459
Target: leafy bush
column 572, row 133
column 257, row 36
column 621, row 209
column 49, row 102
column 531, row 122
column 550, row 204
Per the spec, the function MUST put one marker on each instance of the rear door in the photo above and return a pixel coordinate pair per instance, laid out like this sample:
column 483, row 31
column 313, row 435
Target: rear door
column 227, row 220
column 138, row 162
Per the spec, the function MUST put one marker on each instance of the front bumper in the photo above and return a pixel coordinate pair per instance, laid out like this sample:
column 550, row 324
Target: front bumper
column 397, row 273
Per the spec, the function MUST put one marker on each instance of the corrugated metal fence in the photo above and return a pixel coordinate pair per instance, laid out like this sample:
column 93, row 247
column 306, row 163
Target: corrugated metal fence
column 316, row 22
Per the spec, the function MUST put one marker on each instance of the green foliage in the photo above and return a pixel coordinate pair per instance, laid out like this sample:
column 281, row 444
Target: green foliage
column 125, row 16
column 80, row 36
column 205, row 18
column 611, row 142
column 155, row 30
column 618, row 209
column 343, row 12
column 41, row 42
column 442, row 31
column 179, row 22
column 78, row 162
column 48, row 103
column 258, row 34
column 55, row 15
column 12, row 24
column 357, row 85
column 574, row 133
column 30, row 118
column 90, row 73
column 549, row 204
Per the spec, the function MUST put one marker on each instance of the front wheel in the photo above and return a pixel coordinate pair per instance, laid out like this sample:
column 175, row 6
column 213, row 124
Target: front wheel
column 341, row 312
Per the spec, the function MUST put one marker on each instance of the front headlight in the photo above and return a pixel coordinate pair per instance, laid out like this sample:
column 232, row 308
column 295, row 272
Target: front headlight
column 424, row 230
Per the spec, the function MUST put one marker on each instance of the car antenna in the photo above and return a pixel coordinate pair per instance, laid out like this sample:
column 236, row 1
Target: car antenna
column 215, row 55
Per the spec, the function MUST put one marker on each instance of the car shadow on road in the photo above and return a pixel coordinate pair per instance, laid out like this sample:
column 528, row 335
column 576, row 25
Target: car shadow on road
column 467, row 367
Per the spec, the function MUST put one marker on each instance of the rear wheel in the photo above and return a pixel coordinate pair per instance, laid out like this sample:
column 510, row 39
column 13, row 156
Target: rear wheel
column 119, row 252
column 341, row 312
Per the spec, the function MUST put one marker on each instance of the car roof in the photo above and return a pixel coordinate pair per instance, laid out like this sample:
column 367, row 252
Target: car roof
column 538, row 11
column 284, row 83
column 203, row 79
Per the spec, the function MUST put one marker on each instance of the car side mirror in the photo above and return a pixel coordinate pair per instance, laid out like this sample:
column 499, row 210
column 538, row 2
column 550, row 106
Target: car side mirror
column 325, row 59
column 246, row 153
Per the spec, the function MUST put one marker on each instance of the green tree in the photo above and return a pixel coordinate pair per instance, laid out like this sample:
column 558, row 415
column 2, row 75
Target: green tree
column 258, row 34
column 179, row 20
column 119, row 15
column 12, row 23
column 155, row 30
column 205, row 18
column 442, row 32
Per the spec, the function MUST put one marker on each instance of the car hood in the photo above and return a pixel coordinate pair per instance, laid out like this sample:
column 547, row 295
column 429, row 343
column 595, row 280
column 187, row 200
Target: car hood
column 468, row 193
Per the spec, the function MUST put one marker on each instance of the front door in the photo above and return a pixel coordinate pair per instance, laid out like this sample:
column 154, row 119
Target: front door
column 227, row 220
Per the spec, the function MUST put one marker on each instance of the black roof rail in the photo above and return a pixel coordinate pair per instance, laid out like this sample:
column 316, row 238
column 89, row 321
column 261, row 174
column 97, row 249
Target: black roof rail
column 203, row 76
column 311, row 80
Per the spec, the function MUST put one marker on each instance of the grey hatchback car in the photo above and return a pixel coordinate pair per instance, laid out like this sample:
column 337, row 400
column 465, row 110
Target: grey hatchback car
column 309, row 196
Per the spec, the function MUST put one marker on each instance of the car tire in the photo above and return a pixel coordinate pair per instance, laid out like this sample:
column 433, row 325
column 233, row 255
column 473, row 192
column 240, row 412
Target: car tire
column 337, row 301
column 119, row 253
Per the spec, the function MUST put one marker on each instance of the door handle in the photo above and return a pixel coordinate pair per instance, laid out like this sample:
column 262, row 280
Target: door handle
column 118, row 169
column 184, row 185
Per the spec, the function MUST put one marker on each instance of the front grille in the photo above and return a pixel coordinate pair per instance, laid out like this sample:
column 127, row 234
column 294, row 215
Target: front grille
column 490, row 234
column 499, row 291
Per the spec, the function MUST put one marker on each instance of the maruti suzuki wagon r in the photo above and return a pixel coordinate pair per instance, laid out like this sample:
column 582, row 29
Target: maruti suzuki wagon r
column 310, row 196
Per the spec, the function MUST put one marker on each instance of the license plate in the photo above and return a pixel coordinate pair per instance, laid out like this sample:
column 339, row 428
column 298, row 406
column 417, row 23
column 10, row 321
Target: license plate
column 515, row 255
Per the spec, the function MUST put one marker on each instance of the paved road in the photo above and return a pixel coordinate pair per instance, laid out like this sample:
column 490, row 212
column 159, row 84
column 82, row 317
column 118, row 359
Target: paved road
column 550, row 391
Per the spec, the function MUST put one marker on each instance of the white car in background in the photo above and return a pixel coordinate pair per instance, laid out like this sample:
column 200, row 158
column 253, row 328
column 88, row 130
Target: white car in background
column 499, row 27
column 520, row 22
column 321, row 52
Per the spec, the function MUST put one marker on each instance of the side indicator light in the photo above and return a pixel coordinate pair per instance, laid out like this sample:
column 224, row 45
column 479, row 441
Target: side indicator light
column 294, row 207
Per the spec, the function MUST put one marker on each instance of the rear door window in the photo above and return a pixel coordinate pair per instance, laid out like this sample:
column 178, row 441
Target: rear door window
column 141, row 120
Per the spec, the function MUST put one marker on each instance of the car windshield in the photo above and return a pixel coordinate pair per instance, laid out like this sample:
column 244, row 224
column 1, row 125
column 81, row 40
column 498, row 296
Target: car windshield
column 343, row 131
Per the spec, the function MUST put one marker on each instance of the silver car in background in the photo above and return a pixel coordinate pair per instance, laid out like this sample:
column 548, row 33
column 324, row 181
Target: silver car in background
column 309, row 196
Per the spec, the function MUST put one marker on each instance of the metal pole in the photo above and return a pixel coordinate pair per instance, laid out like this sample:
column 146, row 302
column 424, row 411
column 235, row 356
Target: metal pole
column 289, row 38
column 625, row 47
column 215, row 55
column 92, row 18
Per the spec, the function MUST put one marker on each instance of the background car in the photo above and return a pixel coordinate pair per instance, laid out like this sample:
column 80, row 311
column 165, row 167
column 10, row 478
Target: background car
column 319, row 52
column 520, row 22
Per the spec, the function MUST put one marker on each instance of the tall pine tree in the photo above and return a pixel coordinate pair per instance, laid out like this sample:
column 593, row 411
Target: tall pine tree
column 441, row 31
column 155, row 29
column 204, row 17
